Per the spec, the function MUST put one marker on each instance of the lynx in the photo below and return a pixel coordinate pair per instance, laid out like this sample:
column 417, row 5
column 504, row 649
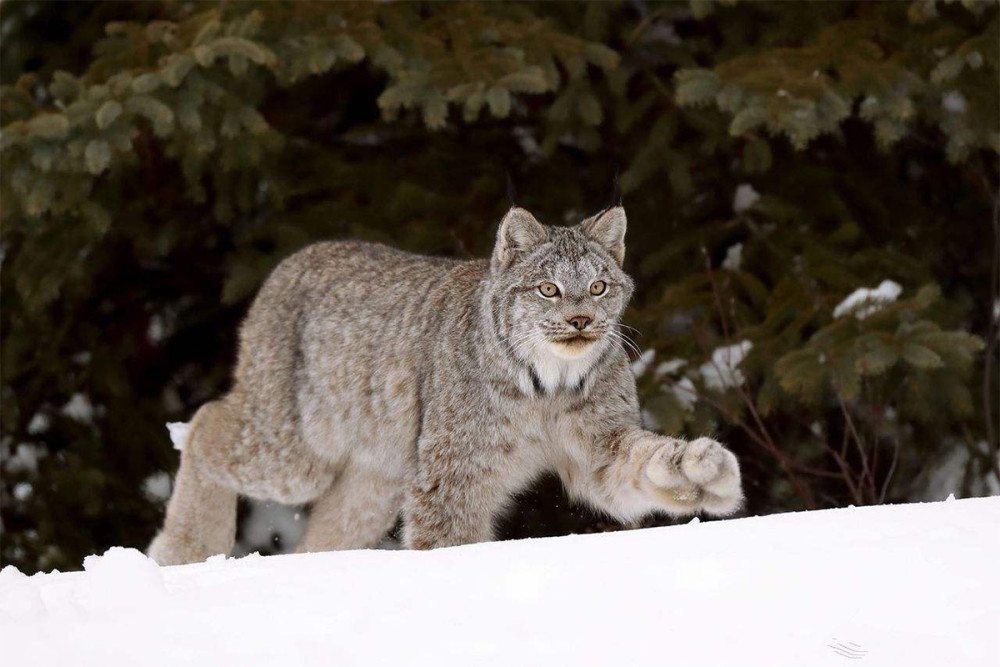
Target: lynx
column 374, row 383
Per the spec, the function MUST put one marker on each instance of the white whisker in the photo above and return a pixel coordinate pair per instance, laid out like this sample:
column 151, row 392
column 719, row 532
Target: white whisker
column 626, row 342
column 625, row 326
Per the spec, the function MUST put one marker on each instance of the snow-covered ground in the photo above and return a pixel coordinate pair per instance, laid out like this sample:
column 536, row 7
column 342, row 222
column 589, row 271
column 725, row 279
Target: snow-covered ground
column 905, row 585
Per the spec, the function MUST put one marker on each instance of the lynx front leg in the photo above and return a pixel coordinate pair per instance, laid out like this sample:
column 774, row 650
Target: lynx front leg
column 630, row 473
column 458, row 491
column 434, row 518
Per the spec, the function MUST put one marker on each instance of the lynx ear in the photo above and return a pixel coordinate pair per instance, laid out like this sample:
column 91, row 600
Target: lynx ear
column 519, row 232
column 608, row 229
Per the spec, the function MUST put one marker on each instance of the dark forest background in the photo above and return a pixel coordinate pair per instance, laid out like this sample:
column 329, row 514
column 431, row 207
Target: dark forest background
column 159, row 158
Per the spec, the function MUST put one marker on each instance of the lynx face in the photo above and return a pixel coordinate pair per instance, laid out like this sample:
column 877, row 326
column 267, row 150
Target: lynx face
column 560, row 291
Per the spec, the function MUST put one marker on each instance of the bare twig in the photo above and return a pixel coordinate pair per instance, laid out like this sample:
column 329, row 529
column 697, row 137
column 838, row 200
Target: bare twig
column 787, row 465
column 645, row 23
column 866, row 475
column 716, row 295
column 846, row 472
column 892, row 470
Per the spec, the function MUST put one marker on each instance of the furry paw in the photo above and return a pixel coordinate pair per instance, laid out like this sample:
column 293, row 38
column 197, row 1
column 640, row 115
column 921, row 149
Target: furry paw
column 171, row 549
column 700, row 475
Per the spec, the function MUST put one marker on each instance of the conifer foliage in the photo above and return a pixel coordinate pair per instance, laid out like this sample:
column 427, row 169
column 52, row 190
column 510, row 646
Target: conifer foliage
column 811, row 189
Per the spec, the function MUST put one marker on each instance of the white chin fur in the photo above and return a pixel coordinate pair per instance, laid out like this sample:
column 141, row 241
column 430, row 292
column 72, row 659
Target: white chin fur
column 570, row 351
column 562, row 365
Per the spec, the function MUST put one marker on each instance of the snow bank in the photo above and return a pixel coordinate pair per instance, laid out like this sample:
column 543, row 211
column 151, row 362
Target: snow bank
column 905, row 585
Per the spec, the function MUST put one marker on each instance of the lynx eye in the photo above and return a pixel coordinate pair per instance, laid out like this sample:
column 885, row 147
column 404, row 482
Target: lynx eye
column 598, row 287
column 548, row 290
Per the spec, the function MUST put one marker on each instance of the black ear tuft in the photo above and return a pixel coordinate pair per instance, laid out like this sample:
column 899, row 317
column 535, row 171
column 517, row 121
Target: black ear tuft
column 511, row 191
column 616, row 191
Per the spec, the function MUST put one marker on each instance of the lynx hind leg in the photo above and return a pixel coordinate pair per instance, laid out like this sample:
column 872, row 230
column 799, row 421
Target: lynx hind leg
column 222, row 458
column 356, row 512
column 201, row 514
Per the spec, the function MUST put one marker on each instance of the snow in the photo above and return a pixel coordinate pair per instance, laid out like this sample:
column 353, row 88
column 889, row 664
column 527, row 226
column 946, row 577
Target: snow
column 685, row 393
column 744, row 198
column 902, row 585
column 954, row 102
column 156, row 487
column 670, row 367
column 959, row 468
column 722, row 371
column 268, row 525
column 662, row 32
column 156, row 332
column 25, row 458
column 526, row 140
column 864, row 301
column 734, row 257
column 178, row 434
column 79, row 408
column 640, row 365
column 115, row 581
column 39, row 424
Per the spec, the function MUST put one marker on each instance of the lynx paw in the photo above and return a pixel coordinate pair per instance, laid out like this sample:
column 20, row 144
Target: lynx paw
column 700, row 475
column 171, row 549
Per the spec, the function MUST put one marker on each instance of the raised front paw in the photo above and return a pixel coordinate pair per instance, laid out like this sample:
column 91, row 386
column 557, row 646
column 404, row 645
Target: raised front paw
column 700, row 475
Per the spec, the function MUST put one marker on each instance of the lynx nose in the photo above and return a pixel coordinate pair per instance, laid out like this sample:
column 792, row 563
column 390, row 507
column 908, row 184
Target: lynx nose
column 579, row 322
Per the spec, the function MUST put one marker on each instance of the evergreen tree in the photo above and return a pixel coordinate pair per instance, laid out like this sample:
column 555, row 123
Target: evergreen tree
column 157, row 159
